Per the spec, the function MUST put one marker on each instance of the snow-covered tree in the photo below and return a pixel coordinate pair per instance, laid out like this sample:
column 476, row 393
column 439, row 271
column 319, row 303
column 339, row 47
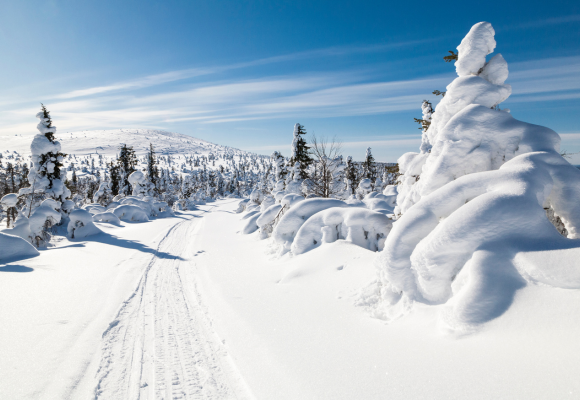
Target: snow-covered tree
column 300, row 153
column 45, row 175
column 491, row 189
column 369, row 165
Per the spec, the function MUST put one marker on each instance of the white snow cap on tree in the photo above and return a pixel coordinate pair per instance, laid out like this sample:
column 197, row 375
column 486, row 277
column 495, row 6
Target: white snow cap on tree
column 474, row 47
column 458, row 140
column 295, row 139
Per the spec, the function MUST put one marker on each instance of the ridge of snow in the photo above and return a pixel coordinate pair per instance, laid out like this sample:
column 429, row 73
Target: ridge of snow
column 107, row 142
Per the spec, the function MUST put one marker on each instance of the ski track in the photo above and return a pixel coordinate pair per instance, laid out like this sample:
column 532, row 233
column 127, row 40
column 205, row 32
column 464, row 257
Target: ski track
column 161, row 344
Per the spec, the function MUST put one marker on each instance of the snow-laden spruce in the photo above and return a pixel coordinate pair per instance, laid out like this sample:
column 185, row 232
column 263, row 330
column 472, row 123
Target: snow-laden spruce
column 480, row 204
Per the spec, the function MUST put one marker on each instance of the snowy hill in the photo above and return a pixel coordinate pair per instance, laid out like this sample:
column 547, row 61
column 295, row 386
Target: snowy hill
column 106, row 142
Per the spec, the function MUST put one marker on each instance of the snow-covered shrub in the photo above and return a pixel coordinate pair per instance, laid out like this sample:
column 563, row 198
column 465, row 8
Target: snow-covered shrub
column 15, row 247
column 290, row 200
column 267, row 202
column 137, row 202
column 107, row 217
column 377, row 201
column 127, row 212
column 139, row 183
column 479, row 205
column 112, row 205
column 20, row 228
column 43, row 218
column 9, row 200
column 103, row 195
column 251, row 224
column 256, row 196
column 242, row 205
column 359, row 226
column 365, row 187
column 81, row 225
column 161, row 209
column 94, row 208
column 292, row 220
column 266, row 220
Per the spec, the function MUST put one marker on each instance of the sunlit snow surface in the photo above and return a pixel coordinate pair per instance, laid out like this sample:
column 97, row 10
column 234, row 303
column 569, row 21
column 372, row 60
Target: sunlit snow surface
column 107, row 142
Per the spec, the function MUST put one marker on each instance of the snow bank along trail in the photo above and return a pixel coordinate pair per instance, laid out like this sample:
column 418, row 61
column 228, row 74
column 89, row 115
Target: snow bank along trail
column 161, row 344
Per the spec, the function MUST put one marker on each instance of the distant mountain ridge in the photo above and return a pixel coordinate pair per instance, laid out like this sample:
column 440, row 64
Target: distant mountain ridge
column 107, row 142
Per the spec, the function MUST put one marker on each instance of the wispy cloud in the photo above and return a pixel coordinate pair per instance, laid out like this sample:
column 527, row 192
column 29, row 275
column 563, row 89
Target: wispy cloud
column 159, row 79
column 543, row 22
column 317, row 95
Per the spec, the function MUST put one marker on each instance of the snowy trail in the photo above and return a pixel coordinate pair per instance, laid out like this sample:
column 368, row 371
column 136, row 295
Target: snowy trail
column 161, row 344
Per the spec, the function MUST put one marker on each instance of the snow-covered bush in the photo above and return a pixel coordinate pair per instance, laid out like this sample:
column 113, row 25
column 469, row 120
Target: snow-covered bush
column 251, row 224
column 365, row 187
column 359, row 226
column 377, row 201
column 139, row 183
column 81, row 225
column 44, row 217
column 256, row 196
column 266, row 220
column 242, row 205
column 107, row 217
column 15, row 247
column 267, row 202
column 292, row 220
column 131, row 213
column 479, row 205
column 94, row 208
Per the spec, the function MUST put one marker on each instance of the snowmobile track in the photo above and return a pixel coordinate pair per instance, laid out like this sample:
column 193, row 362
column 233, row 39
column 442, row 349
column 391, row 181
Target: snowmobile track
column 161, row 344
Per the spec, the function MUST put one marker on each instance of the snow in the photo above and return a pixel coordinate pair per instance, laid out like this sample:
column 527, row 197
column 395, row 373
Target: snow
column 292, row 328
column 292, row 220
column 106, row 142
column 244, row 324
column 81, row 225
column 474, row 47
column 127, row 212
column 472, row 292
column 107, row 217
column 490, row 188
column 15, row 247
column 359, row 226
column 9, row 200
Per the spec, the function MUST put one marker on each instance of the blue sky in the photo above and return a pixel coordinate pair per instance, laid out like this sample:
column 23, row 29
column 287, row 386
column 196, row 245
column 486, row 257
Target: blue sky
column 241, row 73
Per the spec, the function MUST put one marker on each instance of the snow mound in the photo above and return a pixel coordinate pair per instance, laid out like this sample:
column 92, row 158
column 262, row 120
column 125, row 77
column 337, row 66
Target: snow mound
column 131, row 213
column 107, row 217
column 15, row 247
column 251, row 224
column 9, row 200
column 362, row 227
column 293, row 219
column 81, row 225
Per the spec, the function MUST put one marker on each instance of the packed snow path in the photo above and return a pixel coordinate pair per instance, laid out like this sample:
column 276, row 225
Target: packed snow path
column 161, row 344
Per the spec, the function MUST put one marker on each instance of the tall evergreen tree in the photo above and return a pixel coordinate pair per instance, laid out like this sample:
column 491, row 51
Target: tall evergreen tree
column 369, row 166
column 350, row 175
column 152, row 168
column 127, row 162
column 47, row 159
column 300, row 151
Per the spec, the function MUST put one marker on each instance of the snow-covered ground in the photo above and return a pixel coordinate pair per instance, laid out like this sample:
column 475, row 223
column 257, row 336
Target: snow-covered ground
column 107, row 142
column 187, row 307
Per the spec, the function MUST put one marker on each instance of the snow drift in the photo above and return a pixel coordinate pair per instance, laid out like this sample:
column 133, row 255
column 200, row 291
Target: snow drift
column 14, row 247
